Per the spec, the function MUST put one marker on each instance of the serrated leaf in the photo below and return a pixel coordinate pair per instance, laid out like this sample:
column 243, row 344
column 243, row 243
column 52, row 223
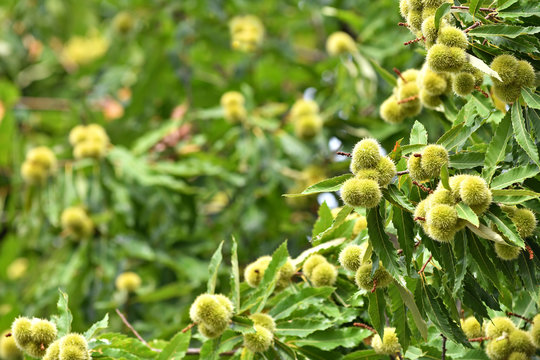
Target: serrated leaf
column 531, row 99
column 467, row 160
column 460, row 246
column 64, row 318
column 301, row 327
column 482, row 66
column 376, row 307
column 331, row 339
column 418, row 134
column 408, row 299
column 302, row 298
column 381, row 242
column 497, row 148
column 324, row 221
column 485, row 233
column 235, row 275
column 438, row 314
column 482, row 260
column 510, row 31
column 404, row 224
column 465, row 212
column 341, row 217
column 527, row 272
column 513, row 196
column 324, row 246
column 213, row 269
column 505, row 226
column 514, row 175
column 364, row 355
column 396, row 197
column 177, row 347
column 441, row 12
column 399, row 317
column 101, row 324
column 521, row 134
column 328, row 185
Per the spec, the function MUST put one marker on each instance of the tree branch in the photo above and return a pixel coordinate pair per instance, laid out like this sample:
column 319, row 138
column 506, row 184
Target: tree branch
column 137, row 335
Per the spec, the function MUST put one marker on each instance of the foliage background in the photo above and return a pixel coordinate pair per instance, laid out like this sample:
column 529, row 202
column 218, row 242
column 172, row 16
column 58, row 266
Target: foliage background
column 163, row 212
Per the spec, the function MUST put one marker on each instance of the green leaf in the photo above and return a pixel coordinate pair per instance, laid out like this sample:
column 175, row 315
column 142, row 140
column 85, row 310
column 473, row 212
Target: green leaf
column 268, row 282
column 505, row 226
column 364, row 355
column 456, row 136
column 467, row 160
column 385, row 74
column 497, row 148
column 521, row 134
column 465, row 212
column 304, row 297
column 460, row 251
column 396, row 197
column 442, row 10
column 399, row 316
column 235, row 275
column 64, row 318
column 213, row 268
column 101, row 324
column 324, row 221
column 439, row 316
column 301, row 327
column 177, row 347
column 408, row 299
column 328, row 185
column 510, row 31
column 376, row 307
column 332, row 338
column 341, row 217
column 513, row 196
column 418, row 134
column 404, row 224
column 445, row 177
column 482, row 260
column 531, row 99
column 527, row 273
column 482, row 66
column 151, row 138
column 381, row 242
column 474, row 5
column 514, row 175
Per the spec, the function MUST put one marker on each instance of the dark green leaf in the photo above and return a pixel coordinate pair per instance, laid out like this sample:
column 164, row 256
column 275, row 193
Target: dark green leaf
column 521, row 133
column 376, row 310
column 443, row 10
column 213, row 269
column 64, row 318
column 514, row 175
column 177, row 347
column 381, row 242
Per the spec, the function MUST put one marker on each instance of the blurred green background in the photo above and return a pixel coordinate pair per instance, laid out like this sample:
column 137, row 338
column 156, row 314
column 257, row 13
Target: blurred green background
column 178, row 178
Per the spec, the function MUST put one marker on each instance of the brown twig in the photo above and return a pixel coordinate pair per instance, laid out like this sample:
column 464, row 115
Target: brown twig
column 478, row 88
column 427, row 262
column 475, row 25
column 398, row 73
column 344, row 153
column 529, row 250
column 479, row 339
column 508, row 313
column 188, row 327
column 414, row 40
column 423, row 187
column 365, row 327
column 409, row 99
column 417, row 155
column 137, row 335
column 8, row 334
column 419, row 218
column 400, row 251
column 374, row 286
column 443, row 355
column 399, row 173
column 403, row 24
